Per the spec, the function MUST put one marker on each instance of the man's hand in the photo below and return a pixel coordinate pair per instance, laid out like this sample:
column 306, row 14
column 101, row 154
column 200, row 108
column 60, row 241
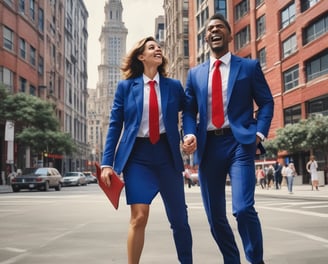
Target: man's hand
column 189, row 144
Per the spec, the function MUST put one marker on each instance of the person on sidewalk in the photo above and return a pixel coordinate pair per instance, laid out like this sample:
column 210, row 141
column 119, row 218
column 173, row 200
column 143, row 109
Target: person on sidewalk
column 312, row 168
column 260, row 175
column 290, row 174
column 278, row 175
column 149, row 156
column 221, row 125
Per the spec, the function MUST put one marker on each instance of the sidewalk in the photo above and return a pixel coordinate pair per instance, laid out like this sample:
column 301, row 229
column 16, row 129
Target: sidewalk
column 5, row 189
column 299, row 191
column 303, row 190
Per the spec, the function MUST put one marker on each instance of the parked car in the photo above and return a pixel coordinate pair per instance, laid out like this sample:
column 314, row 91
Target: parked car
column 74, row 178
column 37, row 178
column 90, row 178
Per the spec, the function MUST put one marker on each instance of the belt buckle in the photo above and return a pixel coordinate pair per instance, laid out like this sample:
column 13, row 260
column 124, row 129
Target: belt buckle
column 218, row 132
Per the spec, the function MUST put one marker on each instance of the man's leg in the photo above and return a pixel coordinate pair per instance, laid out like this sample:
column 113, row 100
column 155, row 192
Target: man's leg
column 242, row 177
column 212, row 176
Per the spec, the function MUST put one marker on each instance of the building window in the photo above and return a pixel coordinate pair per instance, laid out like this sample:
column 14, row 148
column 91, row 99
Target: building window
column 22, row 84
column 291, row 77
column 32, row 9
column 202, row 18
column 288, row 15
column 258, row 2
column 260, row 26
column 306, row 4
column 41, row 65
column 262, row 57
column 7, row 78
column 32, row 56
column 22, row 48
column 186, row 48
column 241, row 9
column 292, row 115
column 41, row 20
column 221, row 7
column 315, row 29
column 21, row 6
column 317, row 106
column 242, row 38
column 8, row 38
column 32, row 90
column 289, row 46
column 317, row 66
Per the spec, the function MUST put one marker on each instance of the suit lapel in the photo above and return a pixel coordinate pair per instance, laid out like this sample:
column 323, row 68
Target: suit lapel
column 203, row 84
column 234, row 70
column 163, row 86
column 138, row 93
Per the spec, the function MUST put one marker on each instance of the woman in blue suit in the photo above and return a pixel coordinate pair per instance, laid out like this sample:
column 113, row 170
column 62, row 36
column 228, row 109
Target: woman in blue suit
column 228, row 146
column 148, row 167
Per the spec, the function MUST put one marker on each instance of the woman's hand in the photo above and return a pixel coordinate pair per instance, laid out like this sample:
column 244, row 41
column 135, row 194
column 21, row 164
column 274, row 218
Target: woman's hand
column 189, row 144
column 106, row 174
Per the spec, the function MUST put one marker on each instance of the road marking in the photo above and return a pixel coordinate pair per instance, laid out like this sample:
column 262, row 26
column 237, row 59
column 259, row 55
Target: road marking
column 17, row 250
column 294, row 211
column 316, row 206
column 306, row 235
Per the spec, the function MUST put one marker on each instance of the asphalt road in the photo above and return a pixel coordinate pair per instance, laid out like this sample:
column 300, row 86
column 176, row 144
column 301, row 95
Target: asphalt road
column 78, row 225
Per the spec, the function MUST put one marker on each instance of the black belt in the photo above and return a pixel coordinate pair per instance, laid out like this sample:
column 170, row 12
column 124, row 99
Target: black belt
column 225, row 131
column 161, row 136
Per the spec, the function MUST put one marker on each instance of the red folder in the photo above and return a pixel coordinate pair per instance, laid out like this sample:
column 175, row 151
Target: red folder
column 113, row 191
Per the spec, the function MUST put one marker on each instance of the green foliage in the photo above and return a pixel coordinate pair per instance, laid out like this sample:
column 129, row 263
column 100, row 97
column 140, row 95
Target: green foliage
column 308, row 134
column 36, row 125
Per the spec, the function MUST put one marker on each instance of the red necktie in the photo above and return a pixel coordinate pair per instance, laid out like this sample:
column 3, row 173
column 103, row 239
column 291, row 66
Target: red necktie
column 153, row 114
column 217, row 102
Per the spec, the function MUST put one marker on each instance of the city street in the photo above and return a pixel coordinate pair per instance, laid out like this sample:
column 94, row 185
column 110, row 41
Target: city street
column 78, row 226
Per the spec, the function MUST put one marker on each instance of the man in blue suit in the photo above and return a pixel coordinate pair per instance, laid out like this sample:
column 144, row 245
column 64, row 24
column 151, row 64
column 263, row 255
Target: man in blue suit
column 231, row 147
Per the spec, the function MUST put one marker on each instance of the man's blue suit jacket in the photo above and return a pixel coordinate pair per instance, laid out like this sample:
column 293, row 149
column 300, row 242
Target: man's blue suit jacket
column 127, row 112
column 246, row 85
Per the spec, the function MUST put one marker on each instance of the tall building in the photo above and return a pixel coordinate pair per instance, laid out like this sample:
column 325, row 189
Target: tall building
column 75, row 86
column 95, row 137
column 176, row 45
column 43, row 52
column 160, row 30
column 113, row 49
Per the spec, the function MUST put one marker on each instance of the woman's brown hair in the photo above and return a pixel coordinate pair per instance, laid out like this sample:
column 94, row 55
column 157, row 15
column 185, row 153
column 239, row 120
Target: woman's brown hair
column 132, row 67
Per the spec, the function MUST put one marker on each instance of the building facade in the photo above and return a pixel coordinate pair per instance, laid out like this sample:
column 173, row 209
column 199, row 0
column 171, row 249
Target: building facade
column 43, row 52
column 176, row 45
column 76, row 93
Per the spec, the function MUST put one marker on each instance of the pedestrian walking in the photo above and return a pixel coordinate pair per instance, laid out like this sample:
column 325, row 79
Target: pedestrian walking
column 278, row 175
column 312, row 168
column 143, row 142
column 290, row 174
column 219, row 122
column 260, row 175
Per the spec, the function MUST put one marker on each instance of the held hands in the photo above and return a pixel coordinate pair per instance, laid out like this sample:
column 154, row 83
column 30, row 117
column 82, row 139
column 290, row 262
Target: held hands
column 106, row 174
column 189, row 144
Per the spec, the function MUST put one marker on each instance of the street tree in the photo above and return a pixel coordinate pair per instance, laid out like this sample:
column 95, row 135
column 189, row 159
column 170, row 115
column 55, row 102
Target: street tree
column 36, row 125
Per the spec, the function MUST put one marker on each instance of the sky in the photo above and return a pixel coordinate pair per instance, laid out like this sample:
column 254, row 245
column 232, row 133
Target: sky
column 138, row 17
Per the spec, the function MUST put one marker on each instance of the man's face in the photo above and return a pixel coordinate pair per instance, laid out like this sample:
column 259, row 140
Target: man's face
column 218, row 36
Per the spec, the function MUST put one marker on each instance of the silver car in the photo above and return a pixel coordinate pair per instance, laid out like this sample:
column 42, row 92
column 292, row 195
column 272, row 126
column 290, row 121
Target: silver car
column 37, row 178
column 74, row 178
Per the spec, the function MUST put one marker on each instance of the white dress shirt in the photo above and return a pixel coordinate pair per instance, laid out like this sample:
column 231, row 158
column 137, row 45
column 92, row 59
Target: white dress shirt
column 144, row 125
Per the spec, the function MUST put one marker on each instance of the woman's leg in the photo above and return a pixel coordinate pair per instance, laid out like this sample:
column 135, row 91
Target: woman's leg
column 136, row 233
